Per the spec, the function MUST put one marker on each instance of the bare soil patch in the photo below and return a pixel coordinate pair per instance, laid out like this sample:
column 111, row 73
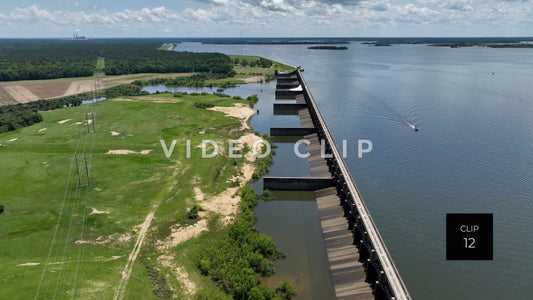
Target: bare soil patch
column 21, row 93
column 5, row 97
column 125, row 152
column 78, row 87
column 239, row 111
column 255, row 79
column 98, row 212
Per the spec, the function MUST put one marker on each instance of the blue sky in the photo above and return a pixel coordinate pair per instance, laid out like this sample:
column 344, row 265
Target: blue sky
column 265, row 18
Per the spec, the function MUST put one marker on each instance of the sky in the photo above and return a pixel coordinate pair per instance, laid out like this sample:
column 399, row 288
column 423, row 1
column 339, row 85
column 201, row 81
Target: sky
column 265, row 18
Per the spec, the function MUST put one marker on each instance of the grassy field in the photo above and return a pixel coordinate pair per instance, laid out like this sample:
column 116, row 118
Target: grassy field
column 255, row 70
column 59, row 240
column 100, row 63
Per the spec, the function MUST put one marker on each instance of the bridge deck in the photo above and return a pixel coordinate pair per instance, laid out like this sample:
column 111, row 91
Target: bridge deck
column 347, row 274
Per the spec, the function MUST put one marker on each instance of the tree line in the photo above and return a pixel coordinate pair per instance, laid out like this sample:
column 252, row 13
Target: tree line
column 47, row 59
column 20, row 115
column 257, row 62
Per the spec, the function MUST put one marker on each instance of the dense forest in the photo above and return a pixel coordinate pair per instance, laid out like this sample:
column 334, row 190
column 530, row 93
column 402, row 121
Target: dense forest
column 47, row 59
column 21, row 115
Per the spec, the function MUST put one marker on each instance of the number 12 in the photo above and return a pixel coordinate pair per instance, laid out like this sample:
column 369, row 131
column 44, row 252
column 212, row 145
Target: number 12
column 469, row 243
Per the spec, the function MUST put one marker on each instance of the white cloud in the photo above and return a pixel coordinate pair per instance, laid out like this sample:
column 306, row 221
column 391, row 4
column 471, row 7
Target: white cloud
column 282, row 17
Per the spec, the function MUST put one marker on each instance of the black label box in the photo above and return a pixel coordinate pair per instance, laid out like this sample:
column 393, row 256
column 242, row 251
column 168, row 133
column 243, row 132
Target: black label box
column 469, row 237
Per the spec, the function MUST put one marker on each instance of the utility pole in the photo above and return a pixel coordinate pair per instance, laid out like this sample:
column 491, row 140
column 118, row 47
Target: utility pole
column 94, row 126
column 86, row 169
column 77, row 169
column 87, row 122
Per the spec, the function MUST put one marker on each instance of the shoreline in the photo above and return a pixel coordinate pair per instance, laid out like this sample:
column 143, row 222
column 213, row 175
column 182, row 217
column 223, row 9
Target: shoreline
column 224, row 204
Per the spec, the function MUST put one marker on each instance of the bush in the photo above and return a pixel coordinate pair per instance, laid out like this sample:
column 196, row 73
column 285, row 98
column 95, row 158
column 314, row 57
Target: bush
column 203, row 105
column 237, row 259
column 192, row 214
column 285, row 291
column 261, row 292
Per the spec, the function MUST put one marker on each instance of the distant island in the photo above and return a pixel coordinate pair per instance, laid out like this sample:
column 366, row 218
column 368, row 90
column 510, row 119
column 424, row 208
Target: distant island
column 327, row 48
column 378, row 43
column 456, row 42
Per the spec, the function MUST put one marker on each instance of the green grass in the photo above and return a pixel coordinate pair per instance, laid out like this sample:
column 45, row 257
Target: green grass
column 35, row 173
column 255, row 70
column 100, row 63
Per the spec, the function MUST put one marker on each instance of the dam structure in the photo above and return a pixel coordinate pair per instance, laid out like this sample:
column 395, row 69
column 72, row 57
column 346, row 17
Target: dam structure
column 359, row 262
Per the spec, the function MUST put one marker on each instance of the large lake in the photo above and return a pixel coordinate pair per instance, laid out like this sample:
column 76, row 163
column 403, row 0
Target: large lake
column 473, row 154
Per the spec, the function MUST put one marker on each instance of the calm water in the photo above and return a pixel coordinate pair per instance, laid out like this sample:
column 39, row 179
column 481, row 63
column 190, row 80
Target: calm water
column 473, row 153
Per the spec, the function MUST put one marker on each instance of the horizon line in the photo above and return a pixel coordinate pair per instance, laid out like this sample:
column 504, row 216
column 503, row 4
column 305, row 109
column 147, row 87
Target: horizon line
column 269, row 37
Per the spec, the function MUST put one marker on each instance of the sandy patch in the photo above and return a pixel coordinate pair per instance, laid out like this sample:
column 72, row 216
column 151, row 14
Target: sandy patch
column 42, row 129
column 64, row 121
column 198, row 194
column 12, row 140
column 181, row 234
column 181, row 274
column 5, row 97
column 20, row 93
column 104, row 240
column 183, row 277
column 226, row 203
column 238, row 111
column 29, row 264
column 125, row 152
column 255, row 79
column 114, row 133
column 98, row 212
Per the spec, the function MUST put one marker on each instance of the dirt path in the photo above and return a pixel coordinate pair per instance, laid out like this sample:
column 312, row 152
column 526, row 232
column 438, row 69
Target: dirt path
column 126, row 273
